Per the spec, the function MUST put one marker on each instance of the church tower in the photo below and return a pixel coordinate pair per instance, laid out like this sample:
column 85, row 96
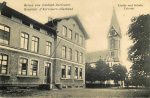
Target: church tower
column 114, row 37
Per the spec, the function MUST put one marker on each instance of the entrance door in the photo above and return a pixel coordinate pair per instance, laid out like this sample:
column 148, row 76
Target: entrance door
column 47, row 73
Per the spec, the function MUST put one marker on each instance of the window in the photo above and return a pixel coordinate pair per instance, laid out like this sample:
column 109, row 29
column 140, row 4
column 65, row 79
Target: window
column 66, row 71
column 81, row 40
column 69, row 72
column 112, row 44
column 77, row 37
column 76, row 73
column 3, row 64
column 47, row 69
column 81, row 57
column 76, row 56
column 70, row 34
column 63, row 69
column 112, row 53
column 48, row 48
column 80, row 71
column 69, row 54
column 23, row 65
column 4, row 34
column 24, row 40
column 112, row 31
column 35, row 44
column 64, row 33
column 33, row 68
column 64, row 51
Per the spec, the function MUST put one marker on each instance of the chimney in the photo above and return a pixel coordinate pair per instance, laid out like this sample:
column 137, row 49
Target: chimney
column 50, row 19
column 4, row 3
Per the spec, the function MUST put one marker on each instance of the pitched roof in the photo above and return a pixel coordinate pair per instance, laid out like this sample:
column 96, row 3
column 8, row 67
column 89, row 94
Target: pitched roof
column 75, row 17
column 114, row 23
column 11, row 12
column 95, row 56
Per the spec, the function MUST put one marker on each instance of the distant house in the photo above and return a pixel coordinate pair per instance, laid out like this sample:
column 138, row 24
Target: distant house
column 34, row 54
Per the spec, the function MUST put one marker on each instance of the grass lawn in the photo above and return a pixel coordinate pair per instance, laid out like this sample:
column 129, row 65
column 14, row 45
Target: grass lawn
column 101, row 92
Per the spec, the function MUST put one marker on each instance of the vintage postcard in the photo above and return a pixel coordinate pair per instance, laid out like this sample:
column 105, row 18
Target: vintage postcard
column 71, row 48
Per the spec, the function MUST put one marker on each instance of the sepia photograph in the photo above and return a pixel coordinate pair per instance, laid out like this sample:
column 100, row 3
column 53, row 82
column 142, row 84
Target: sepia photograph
column 74, row 48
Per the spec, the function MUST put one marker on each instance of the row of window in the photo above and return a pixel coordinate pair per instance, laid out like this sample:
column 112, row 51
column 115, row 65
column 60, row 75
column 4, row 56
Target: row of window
column 23, row 68
column 5, row 36
column 66, row 72
column 35, row 43
column 68, row 34
column 67, row 53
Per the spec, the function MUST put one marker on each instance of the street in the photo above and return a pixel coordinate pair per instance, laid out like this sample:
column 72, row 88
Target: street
column 101, row 92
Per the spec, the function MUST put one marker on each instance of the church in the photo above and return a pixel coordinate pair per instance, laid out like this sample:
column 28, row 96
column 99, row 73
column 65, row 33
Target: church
column 113, row 54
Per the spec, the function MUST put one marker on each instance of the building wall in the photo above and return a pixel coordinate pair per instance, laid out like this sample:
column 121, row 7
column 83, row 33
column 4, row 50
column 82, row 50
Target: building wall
column 64, row 41
column 69, row 81
column 13, row 78
column 70, row 24
column 14, row 52
column 15, row 35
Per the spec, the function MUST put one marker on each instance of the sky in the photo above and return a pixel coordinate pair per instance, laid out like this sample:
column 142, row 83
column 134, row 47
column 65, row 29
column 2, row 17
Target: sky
column 95, row 16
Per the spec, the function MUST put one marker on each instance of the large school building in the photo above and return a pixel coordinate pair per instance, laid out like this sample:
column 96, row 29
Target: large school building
column 35, row 54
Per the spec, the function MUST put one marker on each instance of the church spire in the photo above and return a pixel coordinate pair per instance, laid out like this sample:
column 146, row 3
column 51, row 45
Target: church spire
column 114, row 23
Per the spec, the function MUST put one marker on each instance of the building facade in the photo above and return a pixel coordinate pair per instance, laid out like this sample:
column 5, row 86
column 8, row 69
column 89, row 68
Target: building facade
column 70, row 51
column 33, row 54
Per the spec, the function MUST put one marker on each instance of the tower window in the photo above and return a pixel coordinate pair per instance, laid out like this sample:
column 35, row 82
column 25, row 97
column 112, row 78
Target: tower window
column 112, row 31
column 112, row 53
column 112, row 44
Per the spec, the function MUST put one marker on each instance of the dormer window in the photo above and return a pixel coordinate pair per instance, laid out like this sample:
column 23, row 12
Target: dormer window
column 36, row 27
column 6, row 14
column 25, row 23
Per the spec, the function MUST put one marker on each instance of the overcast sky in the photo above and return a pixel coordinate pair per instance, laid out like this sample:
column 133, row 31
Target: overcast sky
column 95, row 16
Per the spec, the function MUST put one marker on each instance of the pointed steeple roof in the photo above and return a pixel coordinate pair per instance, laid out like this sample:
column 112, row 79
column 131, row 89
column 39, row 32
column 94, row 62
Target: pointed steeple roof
column 114, row 23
